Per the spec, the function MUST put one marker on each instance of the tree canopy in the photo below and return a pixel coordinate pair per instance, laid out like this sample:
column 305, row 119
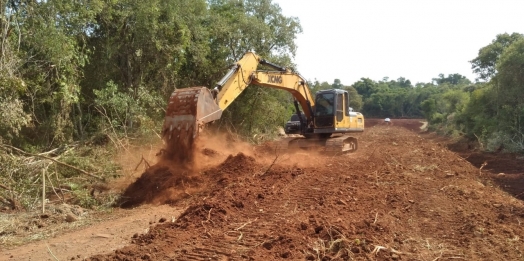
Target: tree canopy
column 491, row 112
column 72, row 68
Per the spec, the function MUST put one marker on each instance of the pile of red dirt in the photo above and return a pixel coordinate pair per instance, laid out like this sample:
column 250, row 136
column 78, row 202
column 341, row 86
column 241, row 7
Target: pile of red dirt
column 401, row 196
column 162, row 183
column 233, row 165
column 166, row 182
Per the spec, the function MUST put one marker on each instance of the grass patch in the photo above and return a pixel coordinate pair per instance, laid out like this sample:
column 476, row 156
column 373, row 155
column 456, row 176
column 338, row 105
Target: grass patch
column 425, row 168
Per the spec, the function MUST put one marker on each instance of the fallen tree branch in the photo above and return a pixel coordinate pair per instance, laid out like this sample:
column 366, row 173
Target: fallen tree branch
column 482, row 166
column 53, row 187
column 15, row 205
column 53, row 160
column 245, row 224
column 479, row 141
column 145, row 162
column 272, row 163
column 5, row 187
column 518, row 195
column 4, row 201
column 49, row 250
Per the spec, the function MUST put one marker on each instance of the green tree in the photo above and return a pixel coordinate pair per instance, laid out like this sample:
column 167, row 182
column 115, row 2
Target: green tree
column 479, row 112
column 141, row 43
column 365, row 87
column 14, row 118
column 485, row 63
column 52, row 51
column 401, row 83
column 492, row 112
column 337, row 84
column 429, row 109
column 454, row 79
column 495, row 111
column 510, row 74
column 355, row 99
column 510, row 78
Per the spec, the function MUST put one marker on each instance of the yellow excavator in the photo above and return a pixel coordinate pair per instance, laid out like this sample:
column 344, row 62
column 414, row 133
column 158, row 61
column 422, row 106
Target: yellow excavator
column 323, row 120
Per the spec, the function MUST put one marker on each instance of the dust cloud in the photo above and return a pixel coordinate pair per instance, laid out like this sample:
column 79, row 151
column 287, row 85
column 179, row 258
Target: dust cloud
column 177, row 174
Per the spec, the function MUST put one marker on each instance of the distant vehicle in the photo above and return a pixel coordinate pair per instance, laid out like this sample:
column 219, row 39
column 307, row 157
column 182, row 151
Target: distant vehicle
column 293, row 125
column 387, row 121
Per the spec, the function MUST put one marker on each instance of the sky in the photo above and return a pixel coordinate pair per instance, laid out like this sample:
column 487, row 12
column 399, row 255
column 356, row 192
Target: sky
column 414, row 39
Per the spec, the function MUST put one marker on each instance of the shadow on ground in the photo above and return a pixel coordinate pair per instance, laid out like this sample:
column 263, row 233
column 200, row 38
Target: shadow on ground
column 506, row 170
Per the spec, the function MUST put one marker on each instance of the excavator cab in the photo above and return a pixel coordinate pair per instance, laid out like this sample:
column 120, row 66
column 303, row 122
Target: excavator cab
column 333, row 114
column 325, row 108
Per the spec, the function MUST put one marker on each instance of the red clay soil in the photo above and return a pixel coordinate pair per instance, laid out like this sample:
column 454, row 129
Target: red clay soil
column 402, row 196
column 506, row 170
column 160, row 184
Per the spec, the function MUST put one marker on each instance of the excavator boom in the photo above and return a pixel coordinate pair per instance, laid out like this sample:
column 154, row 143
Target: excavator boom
column 244, row 73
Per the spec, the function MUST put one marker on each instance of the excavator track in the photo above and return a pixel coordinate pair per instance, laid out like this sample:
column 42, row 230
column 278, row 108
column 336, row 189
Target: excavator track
column 330, row 146
column 342, row 144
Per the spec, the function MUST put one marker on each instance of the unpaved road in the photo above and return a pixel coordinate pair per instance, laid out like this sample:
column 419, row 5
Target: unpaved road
column 103, row 237
column 403, row 196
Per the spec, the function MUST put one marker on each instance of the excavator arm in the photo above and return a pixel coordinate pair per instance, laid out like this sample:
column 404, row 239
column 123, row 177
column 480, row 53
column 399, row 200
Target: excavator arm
column 244, row 73
column 189, row 109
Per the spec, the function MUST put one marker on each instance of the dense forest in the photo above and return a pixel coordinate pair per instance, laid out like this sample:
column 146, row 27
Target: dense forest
column 99, row 72
column 72, row 69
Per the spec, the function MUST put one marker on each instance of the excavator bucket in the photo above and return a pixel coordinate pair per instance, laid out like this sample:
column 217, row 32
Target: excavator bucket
column 188, row 110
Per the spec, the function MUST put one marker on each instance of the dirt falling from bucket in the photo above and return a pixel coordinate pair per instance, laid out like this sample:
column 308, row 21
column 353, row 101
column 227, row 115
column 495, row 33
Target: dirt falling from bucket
column 180, row 148
column 171, row 177
column 179, row 131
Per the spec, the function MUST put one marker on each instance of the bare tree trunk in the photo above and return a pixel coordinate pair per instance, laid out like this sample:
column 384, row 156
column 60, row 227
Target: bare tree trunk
column 79, row 127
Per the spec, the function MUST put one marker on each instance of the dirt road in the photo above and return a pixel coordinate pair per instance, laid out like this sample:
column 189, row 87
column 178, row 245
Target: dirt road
column 403, row 196
column 101, row 237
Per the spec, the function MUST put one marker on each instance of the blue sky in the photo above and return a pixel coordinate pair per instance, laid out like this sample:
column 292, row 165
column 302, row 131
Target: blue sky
column 415, row 39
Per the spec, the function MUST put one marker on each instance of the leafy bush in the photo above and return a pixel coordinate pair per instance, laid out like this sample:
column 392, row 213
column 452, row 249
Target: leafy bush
column 19, row 178
column 124, row 111
column 12, row 113
column 258, row 113
column 83, row 198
